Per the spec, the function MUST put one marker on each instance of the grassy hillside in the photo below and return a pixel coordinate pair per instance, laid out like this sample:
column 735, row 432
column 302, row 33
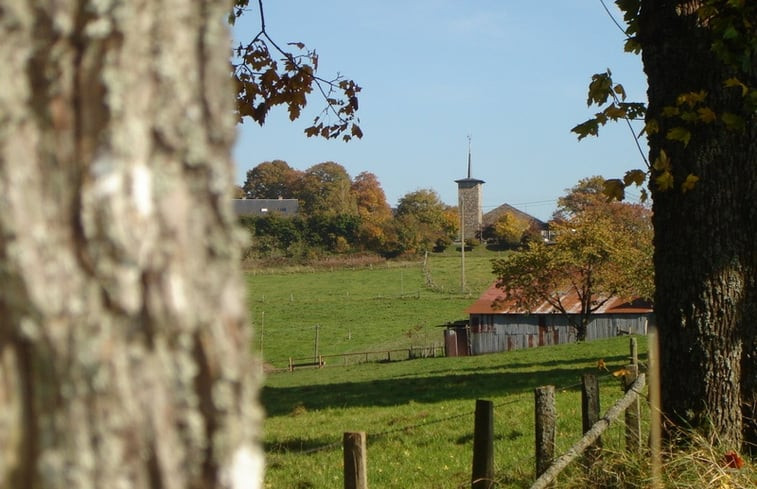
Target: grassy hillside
column 385, row 306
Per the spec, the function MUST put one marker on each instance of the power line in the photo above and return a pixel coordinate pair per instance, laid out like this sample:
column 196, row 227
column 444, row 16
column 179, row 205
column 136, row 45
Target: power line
column 612, row 17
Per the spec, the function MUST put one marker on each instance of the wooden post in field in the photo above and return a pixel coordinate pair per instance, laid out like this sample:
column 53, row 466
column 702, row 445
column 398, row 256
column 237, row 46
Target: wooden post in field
column 545, row 417
column 590, row 414
column 634, row 352
column 317, row 337
column 355, row 473
column 483, row 446
column 633, row 420
column 655, row 416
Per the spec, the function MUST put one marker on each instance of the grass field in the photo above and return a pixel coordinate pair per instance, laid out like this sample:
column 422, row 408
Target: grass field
column 378, row 307
column 418, row 415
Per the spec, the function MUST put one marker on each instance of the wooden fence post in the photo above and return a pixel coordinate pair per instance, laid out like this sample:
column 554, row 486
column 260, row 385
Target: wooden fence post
column 355, row 474
column 634, row 352
column 545, row 415
column 655, row 415
column 483, row 446
column 590, row 437
column 590, row 414
column 633, row 420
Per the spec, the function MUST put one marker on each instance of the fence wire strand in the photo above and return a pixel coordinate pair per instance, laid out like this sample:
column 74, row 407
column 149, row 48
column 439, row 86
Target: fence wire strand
column 513, row 399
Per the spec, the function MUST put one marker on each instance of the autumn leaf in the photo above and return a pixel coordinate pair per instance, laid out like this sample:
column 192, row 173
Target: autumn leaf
column 599, row 88
column 619, row 90
column 588, row 128
column 636, row 177
column 614, row 189
column 620, row 373
column 662, row 162
column 733, row 460
column 652, row 127
column 706, row 115
column 735, row 82
column 614, row 112
column 664, row 181
column 691, row 98
column 689, row 183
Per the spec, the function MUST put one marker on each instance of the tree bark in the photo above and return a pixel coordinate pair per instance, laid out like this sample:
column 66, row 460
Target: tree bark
column 124, row 353
column 705, row 248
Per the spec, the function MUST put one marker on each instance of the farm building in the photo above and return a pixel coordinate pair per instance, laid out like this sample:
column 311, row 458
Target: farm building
column 265, row 207
column 501, row 327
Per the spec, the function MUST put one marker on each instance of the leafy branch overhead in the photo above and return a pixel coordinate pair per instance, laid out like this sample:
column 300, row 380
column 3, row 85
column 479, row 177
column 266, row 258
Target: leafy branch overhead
column 733, row 39
column 268, row 75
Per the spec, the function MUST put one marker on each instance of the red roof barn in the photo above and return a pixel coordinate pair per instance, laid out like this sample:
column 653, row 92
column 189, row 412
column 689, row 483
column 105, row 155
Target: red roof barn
column 496, row 326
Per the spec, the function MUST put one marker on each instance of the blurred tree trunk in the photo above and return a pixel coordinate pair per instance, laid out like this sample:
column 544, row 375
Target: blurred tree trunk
column 124, row 354
column 705, row 248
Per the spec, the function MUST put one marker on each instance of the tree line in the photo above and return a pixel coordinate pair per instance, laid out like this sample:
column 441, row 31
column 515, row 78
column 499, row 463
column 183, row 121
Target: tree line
column 341, row 214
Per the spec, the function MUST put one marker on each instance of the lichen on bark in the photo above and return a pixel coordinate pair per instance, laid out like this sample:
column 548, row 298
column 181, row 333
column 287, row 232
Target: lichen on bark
column 124, row 358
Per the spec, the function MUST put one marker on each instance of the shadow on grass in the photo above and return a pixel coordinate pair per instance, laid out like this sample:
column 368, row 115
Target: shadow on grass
column 298, row 445
column 469, row 383
column 581, row 365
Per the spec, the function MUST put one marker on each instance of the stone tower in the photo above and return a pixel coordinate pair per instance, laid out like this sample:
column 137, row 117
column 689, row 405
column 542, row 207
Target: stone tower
column 469, row 198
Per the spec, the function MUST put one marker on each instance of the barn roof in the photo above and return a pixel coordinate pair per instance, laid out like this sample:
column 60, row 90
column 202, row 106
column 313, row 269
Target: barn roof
column 492, row 216
column 616, row 305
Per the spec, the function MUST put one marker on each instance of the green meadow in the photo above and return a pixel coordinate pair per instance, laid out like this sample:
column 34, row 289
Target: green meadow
column 418, row 414
column 374, row 307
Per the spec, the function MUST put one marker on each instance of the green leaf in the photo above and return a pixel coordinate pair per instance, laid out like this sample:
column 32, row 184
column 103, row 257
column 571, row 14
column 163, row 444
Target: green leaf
column 689, row 116
column 730, row 33
column 669, row 111
column 679, row 134
column 732, row 121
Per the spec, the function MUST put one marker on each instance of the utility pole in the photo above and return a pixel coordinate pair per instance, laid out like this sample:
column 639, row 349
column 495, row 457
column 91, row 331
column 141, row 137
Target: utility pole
column 462, row 245
column 462, row 226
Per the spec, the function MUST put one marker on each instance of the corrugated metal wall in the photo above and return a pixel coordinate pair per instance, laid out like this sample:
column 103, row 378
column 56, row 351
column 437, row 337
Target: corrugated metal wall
column 491, row 333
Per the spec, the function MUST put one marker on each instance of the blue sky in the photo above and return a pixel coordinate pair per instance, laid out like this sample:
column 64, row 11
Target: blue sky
column 512, row 74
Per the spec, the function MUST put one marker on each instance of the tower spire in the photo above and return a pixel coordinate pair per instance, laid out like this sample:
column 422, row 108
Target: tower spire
column 469, row 162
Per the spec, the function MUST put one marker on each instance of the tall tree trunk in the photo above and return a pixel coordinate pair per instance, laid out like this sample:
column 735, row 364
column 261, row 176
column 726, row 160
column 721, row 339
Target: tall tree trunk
column 705, row 247
column 124, row 354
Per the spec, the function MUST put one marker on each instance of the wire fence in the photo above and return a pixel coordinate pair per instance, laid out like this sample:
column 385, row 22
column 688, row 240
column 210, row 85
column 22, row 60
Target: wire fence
column 526, row 396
